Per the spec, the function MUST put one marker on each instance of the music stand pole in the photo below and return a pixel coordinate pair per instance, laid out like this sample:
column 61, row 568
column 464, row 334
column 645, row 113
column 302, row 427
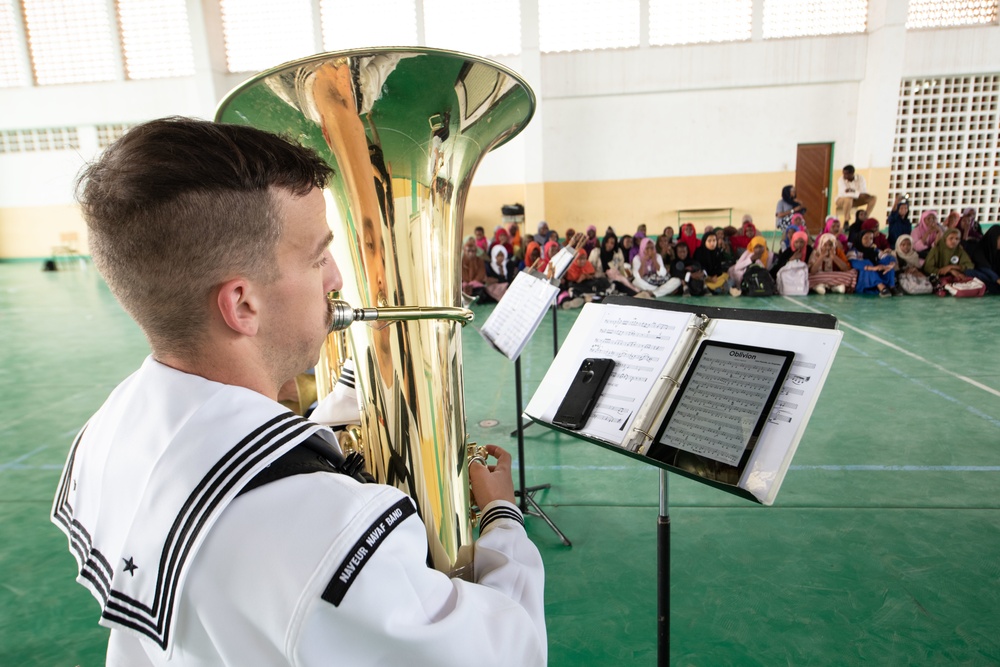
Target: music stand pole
column 663, row 575
column 526, row 493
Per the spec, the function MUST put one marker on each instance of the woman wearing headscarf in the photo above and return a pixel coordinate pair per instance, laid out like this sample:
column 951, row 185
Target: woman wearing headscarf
column 787, row 205
column 876, row 272
column 926, row 233
column 637, row 239
column 832, row 226
column 909, row 275
column 668, row 231
column 971, row 231
column 854, row 231
column 514, row 234
column 582, row 281
column 664, row 249
column 590, row 242
column 741, row 241
column 798, row 248
column 991, row 249
column 500, row 272
column 829, row 268
column 899, row 221
column 878, row 238
column 609, row 262
column 649, row 273
column 756, row 253
column 689, row 237
column 947, row 262
column 542, row 237
column 473, row 270
column 712, row 260
column 798, row 224
column 951, row 222
column 532, row 254
column 686, row 269
column 549, row 251
column 500, row 237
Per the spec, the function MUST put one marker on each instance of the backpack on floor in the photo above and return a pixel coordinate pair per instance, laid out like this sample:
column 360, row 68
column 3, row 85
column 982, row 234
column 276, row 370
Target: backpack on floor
column 793, row 279
column 757, row 282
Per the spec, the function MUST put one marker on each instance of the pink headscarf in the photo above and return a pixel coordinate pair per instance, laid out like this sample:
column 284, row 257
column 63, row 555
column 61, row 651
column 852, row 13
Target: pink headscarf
column 925, row 236
column 829, row 225
column 647, row 266
column 805, row 246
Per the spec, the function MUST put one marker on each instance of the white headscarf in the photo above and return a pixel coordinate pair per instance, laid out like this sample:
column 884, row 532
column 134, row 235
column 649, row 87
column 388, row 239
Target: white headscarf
column 499, row 269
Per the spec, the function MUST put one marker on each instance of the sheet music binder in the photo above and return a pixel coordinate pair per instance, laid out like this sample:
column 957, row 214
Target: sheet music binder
column 813, row 338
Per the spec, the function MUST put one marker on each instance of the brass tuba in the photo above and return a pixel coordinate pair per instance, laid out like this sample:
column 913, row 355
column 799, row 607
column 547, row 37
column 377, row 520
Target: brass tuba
column 404, row 130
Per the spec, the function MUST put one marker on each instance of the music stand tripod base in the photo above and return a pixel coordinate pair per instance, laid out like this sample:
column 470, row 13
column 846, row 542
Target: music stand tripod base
column 526, row 493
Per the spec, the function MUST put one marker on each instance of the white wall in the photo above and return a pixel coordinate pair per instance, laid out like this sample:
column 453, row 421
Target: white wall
column 615, row 114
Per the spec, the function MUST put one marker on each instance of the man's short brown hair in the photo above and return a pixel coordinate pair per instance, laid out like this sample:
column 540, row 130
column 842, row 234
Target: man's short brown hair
column 177, row 206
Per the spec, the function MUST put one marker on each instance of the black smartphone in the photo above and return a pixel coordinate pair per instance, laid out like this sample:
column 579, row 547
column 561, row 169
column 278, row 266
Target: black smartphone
column 575, row 409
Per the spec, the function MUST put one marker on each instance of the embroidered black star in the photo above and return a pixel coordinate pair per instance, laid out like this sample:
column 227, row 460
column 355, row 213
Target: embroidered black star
column 130, row 567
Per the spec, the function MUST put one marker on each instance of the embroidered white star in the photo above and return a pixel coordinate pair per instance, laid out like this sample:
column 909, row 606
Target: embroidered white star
column 130, row 567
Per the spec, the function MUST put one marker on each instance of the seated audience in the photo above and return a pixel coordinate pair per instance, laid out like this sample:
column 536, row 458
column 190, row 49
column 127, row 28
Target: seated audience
column 756, row 253
column 609, row 262
column 473, row 270
column 832, row 227
column 947, row 262
column 741, row 241
column 640, row 234
column 590, row 242
column 854, row 231
column 649, row 274
column 876, row 271
column 991, row 248
column 532, row 254
column 899, row 221
column 664, row 249
column 549, row 251
column 542, row 237
column 797, row 224
column 514, row 234
column 582, row 283
column 926, row 233
column 689, row 237
column 798, row 248
column 713, row 262
column 688, row 271
column 482, row 242
column 500, row 272
column 878, row 238
column 500, row 237
column 909, row 273
column 829, row 269
column 668, row 231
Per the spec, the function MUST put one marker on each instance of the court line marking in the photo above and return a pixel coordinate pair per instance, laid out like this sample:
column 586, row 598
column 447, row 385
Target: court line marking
column 15, row 462
column 963, row 378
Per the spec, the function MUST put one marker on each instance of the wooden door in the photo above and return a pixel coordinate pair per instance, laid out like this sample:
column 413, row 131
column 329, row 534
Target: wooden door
column 813, row 163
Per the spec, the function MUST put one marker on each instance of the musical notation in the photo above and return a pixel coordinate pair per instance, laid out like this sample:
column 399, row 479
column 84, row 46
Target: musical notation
column 722, row 403
column 519, row 313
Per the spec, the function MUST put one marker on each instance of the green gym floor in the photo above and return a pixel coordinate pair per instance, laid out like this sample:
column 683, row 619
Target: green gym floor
column 883, row 547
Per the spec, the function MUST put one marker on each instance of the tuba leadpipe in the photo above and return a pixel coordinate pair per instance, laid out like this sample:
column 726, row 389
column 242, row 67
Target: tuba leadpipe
column 404, row 130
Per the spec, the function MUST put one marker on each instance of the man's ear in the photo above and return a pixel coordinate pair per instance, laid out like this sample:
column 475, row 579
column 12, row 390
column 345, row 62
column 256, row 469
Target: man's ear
column 238, row 306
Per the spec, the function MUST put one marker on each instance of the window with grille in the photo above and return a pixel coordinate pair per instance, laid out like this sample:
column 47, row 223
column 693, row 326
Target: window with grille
column 944, row 13
column 12, row 66
column 945, row 153
column 799, row 18
column 71, row 41
column 686, row 22
column 156, row 39
column 109, row 134
column 577, row 25
column 42, row 139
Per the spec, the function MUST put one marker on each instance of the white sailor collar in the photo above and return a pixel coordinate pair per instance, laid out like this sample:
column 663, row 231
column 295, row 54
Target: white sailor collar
column 148, row 477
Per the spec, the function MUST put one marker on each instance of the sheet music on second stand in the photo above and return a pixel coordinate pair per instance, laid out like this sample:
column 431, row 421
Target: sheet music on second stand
column 724, row 403
column 519, row 313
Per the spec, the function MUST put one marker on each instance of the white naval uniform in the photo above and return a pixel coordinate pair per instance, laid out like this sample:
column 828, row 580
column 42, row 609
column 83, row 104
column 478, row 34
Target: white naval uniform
column 311, row 569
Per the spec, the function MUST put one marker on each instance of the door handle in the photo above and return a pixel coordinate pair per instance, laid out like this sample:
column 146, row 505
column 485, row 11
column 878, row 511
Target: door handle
column 826, row 192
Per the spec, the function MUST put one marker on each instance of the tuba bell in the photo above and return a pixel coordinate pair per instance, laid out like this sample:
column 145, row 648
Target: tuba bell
column 404, row 130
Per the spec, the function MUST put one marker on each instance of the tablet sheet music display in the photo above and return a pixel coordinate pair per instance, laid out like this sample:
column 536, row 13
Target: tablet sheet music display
column 724, row 402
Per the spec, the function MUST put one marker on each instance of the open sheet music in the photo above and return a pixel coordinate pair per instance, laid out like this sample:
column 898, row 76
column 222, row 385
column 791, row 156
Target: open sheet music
column 725, row 401
column 519, row 313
